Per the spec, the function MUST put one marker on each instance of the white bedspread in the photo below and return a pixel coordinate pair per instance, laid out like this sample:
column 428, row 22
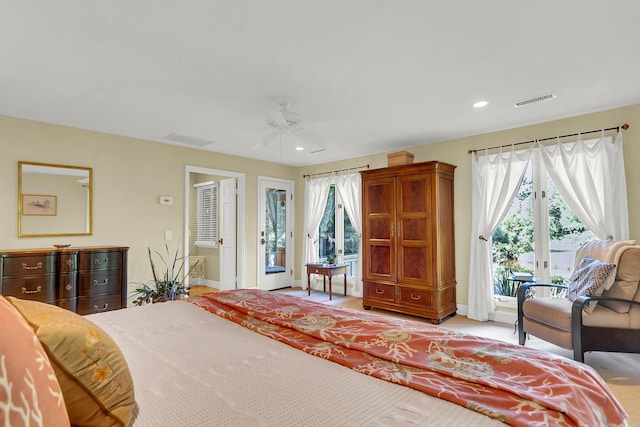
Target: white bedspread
column 193, row 368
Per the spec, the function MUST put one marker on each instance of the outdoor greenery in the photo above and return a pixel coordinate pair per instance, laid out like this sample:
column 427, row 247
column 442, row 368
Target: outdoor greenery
column 328, row 229
column 515, row 236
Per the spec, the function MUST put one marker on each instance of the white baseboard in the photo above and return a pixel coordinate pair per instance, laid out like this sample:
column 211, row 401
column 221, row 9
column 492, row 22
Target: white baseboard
column 498, row 316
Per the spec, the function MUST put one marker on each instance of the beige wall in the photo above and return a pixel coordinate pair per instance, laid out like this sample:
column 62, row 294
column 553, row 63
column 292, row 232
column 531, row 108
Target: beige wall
column 130, row 175
column 455, row 152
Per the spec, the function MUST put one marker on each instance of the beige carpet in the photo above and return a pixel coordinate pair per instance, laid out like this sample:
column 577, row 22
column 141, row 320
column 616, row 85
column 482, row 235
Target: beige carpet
column 621, row 371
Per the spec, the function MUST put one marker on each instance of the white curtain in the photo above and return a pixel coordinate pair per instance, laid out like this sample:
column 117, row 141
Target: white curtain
column 350, row 189
column 315, row 198
column 589, row 175
column 495, row 180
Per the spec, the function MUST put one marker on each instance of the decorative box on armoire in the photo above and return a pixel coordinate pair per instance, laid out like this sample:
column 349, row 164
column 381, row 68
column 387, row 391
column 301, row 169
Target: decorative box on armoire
column 83, row 279
column 408, row 239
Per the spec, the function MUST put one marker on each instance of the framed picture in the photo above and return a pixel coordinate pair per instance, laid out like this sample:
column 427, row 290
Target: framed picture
column 38, row 204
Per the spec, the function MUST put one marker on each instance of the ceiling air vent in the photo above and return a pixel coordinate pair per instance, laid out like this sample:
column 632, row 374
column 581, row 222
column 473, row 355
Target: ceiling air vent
column 190, row 140
column 533, row 100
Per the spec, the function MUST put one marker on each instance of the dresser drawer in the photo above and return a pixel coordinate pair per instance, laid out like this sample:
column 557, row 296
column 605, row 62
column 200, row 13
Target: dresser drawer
column 99, row 282
column 28, row 265
column 67, row 262
column 416, row 298
column 99, row 304
column 99, row 260
column 36, row 288
column 68, row 286
column 379, row 291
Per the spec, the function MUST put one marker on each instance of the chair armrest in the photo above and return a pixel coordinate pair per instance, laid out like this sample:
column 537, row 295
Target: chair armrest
column 576, row 321
column 523, row 288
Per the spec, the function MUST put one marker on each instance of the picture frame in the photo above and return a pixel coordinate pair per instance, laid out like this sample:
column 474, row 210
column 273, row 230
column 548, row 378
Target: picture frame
column 39, row 205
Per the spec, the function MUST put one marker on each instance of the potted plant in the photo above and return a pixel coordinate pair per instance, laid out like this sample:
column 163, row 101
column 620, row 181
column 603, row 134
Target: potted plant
column 331, row 258
column 168, row 282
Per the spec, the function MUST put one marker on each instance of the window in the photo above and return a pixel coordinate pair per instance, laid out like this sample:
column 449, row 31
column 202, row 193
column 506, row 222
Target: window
column 336, row 233
column 206, row 214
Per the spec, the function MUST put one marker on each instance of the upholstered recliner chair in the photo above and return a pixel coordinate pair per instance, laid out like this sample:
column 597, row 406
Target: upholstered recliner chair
column 601, row 310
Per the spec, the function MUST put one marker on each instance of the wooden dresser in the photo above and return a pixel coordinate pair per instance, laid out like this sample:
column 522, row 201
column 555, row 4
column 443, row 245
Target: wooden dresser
column 82, row 279
column 408, row 239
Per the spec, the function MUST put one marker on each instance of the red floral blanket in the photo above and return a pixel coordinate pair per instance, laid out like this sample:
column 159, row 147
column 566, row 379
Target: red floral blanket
column 514, row 384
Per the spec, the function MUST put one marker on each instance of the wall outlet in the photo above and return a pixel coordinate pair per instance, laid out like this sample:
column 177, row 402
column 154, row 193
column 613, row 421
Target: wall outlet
column 166, row 200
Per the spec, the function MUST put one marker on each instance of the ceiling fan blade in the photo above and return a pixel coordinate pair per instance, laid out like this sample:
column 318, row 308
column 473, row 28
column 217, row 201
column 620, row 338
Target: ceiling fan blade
column 268, row 139
column 317, row 140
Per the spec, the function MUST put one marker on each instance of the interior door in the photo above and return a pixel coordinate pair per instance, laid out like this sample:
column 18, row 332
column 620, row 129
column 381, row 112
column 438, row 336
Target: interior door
column 227, row 233
column 275, row 233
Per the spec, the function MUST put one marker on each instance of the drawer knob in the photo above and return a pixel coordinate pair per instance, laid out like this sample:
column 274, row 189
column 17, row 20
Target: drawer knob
column 36, row 291
column 97, row 309
column 379, row 291
column 415, row 297
column 105, row 282
column 34, row 267
column 97, row 261
column 68, row 287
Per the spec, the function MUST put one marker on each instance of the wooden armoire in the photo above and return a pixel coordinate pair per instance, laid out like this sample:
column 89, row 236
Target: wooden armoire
column 408, row 240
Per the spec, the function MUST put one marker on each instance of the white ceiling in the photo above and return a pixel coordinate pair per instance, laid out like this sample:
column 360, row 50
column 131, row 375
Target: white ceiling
column 368, row 76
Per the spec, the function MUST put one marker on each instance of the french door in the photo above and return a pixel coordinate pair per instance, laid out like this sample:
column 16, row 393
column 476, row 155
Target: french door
column 275, row 233
column 538, row 235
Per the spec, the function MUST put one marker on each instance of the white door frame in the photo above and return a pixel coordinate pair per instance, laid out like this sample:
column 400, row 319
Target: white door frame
column 240, row 213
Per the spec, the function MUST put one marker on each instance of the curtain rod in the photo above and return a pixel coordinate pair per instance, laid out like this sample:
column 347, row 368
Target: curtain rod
column 624, row 126
column 335, row 171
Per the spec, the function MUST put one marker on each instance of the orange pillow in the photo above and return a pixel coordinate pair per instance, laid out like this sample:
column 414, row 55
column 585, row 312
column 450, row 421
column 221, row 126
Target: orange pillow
column 34, row 396
column 91, row 369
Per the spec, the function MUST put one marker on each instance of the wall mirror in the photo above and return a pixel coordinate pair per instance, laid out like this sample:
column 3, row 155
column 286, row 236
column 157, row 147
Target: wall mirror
column 54, row 200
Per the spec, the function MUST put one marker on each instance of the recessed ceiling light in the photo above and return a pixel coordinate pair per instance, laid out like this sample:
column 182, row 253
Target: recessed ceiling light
column 480, row 104
column 299, row 148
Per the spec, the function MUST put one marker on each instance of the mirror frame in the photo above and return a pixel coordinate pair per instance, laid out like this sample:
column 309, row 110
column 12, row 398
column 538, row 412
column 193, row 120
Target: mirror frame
column 90, row 224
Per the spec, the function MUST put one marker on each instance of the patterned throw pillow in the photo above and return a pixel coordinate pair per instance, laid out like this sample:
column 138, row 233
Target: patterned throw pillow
column 588, row 279
column 29, row 391
column 91, row 369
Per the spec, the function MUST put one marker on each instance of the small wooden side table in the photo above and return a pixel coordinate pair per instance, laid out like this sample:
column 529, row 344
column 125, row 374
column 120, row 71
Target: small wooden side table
column 327, row 270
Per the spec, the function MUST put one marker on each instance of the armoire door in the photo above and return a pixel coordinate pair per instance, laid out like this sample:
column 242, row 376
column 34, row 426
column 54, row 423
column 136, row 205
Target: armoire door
column 414, row 240
column 378, row 200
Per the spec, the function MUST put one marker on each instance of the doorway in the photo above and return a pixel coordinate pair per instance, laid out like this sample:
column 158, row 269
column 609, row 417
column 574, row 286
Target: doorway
column 220, row 264
column 275, row 233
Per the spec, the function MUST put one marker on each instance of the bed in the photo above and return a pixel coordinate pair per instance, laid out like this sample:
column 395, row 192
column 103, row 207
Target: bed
column 257, row 358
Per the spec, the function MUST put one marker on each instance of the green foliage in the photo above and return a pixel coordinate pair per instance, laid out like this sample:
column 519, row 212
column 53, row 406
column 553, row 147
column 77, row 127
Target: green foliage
column 167, row 283
column 515, row 235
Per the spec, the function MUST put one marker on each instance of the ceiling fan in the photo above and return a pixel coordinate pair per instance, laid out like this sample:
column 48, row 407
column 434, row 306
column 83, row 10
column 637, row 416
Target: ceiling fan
column 286, row 122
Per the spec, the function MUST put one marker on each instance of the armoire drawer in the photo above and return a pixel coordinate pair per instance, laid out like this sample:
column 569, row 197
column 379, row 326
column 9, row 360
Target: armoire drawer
column 379, row 291
column 29, row 265
column 416, row 298
column 36, row 288
column 99, row 304
column 99, row 282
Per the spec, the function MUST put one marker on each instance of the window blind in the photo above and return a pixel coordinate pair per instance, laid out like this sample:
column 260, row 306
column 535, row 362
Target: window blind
column 206, row 214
